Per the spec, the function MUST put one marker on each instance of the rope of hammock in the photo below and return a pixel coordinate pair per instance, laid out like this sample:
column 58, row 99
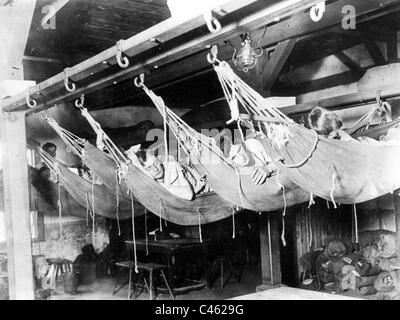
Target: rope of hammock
column 334, row 176
column 270, row 250
column 355, row 222
column 133, row 233
column 117, row 195
column 73, row 142
column 305, row 159
column 103, row 141
column 364, row 122
column 93, row 217
column 200, row 233
column 59, row 204
column 233, row 224
column 145, row 229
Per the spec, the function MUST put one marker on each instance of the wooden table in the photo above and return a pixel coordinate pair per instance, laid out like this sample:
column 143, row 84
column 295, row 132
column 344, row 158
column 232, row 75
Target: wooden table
column 168, row 249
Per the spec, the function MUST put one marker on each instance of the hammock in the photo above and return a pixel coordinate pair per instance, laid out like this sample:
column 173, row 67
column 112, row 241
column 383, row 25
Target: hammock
column 100, row 163
column 204, row 208
column 340, row 171
column 48, row 196
column 95, row 198
column 231, row 183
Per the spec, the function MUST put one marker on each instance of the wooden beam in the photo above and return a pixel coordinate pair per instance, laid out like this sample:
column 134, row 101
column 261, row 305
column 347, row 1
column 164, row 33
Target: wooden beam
column 270, row 249
column 15, row 23
column 163, row 32
column 392, row 50
column 16, row 198
column 305, row 29
column 348, row 62
column 319, row 84
column 352, row 99
column 276, row 63
column 396, row 202
column 374, row 51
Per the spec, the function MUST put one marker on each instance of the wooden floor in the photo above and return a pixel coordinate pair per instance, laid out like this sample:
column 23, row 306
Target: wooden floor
column 287, row 293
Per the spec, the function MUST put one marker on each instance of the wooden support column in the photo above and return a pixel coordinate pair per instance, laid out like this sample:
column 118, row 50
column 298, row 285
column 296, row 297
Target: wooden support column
column 270, row 249
column 396, row 201
column 16, row 200
column 275, row 64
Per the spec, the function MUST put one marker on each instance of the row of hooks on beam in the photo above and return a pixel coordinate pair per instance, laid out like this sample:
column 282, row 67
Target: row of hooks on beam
column 213, row 25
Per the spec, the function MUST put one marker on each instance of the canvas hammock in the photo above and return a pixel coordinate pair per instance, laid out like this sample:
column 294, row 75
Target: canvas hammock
column 232, row 183
column 340, row 171
column 95, row 198
column 100, row 163
column 204, row 208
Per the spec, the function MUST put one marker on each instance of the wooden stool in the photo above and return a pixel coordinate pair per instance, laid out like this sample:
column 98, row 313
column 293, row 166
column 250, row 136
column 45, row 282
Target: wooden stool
column 130, row 265
column 61, row 265
column 151, row 268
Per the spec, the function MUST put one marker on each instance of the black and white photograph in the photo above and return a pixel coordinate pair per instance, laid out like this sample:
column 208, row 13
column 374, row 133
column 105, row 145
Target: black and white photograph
column 192, row 157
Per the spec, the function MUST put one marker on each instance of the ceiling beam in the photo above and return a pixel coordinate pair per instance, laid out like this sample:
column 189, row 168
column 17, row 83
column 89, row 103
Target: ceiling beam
column 149, row 39
column 275, row 64
column 352, row 99
column 374, row 51
column 299, row 25
column 15, row 22
column 348, row 62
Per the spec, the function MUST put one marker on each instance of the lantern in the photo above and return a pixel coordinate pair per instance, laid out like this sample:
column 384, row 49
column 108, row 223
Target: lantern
column 246, row 57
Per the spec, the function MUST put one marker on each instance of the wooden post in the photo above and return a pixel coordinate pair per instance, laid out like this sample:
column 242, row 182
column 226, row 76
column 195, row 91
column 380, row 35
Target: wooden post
column 270, row 250
column 16, row 199
column 396, row 202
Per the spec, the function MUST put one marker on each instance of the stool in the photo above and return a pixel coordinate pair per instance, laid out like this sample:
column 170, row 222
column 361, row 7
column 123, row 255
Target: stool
column 61, row 265
column 151, row 268
column 130, row 265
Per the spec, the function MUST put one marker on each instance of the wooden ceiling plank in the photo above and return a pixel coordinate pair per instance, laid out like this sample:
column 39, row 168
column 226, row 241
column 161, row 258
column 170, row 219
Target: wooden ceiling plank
column 276, row 63
column 353, row 99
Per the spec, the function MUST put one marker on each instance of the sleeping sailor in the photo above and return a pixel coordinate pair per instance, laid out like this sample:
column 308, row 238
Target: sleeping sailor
column 170, row 174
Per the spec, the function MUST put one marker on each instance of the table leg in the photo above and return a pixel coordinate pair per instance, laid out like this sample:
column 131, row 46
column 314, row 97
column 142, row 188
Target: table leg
column 171, row 272
column 151, row 285
column 130, row 284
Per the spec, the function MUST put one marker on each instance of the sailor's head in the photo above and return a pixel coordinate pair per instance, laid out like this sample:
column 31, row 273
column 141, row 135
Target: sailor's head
column 151, row 163
column 45, row 173
column 50, row 148
column 323, row 121
column 239, row 155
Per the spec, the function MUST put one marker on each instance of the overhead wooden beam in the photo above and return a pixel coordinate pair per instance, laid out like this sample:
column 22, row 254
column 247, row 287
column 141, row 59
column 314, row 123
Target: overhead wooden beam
column 162, row 32
column 392, row 49
column 319, row 84
column 352, row 99
column 374, row 51
column 299, row 25
column 276, row 63
column 348, row 62
column 15, row 23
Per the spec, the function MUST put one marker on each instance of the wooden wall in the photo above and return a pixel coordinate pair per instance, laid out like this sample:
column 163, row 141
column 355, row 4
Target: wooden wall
column 315, row 226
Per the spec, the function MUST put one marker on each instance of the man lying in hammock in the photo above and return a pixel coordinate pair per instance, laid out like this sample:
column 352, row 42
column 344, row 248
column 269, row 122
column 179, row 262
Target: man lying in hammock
column 328, row 124
column 182, row 182
column 252, row 154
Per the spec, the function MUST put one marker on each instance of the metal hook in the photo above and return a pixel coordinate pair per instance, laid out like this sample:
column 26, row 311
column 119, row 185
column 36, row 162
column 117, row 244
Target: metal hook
column 31, row 103
column 141, row 78
column 44, row 116
column 66, row 81
column 125, row 62
column 212, row 56
column 79, row 102
column 213, row 25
